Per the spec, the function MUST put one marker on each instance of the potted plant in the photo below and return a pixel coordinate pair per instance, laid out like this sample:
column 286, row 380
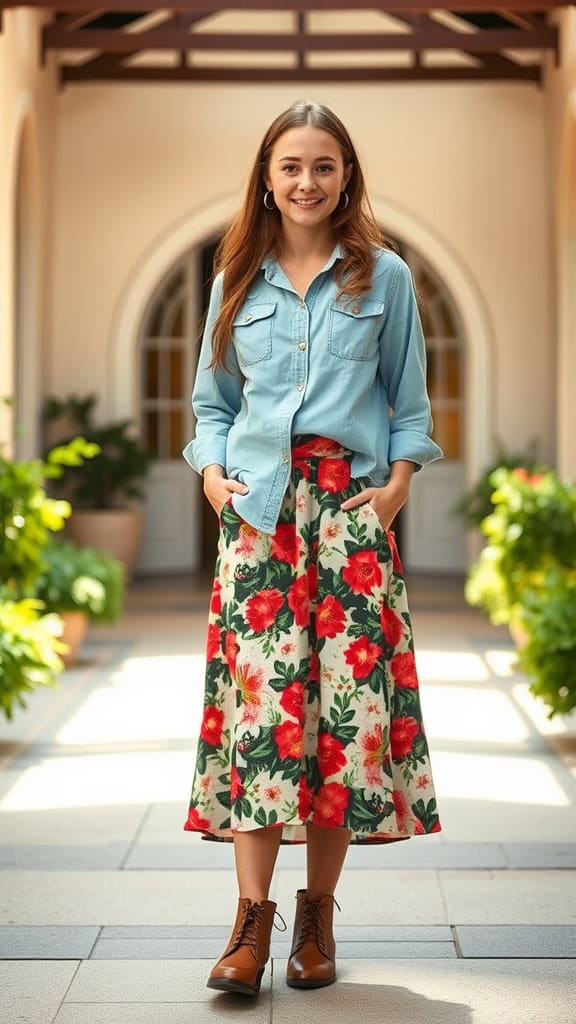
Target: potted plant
column 531, row 530
column 476, row 504
column 30, row 647
column 81, row 585
column 103, row 492
column 548, row 656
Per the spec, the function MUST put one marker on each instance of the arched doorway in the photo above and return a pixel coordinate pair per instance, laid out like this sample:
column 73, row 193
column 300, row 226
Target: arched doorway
column 162, row 259
column 432, row 537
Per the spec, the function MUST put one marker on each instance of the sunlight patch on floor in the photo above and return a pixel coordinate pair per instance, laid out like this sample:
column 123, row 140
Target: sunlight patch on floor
column 447, row 666
column 501, row 779
column 482, row 714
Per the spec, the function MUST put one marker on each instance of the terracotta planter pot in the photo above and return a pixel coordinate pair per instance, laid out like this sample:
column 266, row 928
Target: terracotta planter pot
column 75, row 626
column 117, row 531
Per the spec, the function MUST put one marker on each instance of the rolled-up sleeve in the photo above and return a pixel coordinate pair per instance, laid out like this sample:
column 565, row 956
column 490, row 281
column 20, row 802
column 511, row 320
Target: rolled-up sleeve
column 216, row 396
column 403, row 372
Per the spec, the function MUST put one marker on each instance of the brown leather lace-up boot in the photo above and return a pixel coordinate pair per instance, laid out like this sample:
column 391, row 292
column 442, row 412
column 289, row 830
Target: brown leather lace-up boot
column 241, row 966
column 312, row 962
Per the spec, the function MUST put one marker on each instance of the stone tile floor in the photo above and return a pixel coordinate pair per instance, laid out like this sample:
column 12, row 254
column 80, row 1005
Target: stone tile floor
column 111, row 914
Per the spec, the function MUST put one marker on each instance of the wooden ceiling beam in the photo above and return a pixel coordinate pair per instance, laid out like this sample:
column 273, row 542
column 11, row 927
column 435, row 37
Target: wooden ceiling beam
column 429, row 38
column 79, row 73
column 200, row 6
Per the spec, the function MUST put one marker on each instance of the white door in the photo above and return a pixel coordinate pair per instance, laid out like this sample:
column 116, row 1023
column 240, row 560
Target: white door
column 433, row 538
column 166, row 355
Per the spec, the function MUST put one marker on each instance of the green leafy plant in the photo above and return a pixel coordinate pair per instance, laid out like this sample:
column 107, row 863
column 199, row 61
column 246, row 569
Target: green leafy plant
column 531, row 530
column 113, row 477
column 27, row 515
column 29, row 651
column 81, row 579
column 549, row 656
column 476, row 504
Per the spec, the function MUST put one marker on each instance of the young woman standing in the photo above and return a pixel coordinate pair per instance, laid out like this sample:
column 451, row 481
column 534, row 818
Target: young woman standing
column 312, row 415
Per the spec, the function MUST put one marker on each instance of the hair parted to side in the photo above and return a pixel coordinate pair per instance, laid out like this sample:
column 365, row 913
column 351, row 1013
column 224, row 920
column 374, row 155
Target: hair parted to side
column 255, row 231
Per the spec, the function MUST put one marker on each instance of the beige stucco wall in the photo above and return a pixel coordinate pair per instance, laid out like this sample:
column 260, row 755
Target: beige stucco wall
column 27, row 129
column 561, row 149
column 466, row 161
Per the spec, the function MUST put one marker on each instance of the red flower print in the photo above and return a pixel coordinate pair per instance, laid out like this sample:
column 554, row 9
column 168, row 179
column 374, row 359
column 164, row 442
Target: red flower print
column 250, row 681
column 272, row 793
column 362, row 572
column 396, row 563
column 330, row 805
column 331, row 756
column 312, row 573
column 401, row 808
column 403, row 732
column 423, row 781
column 213, row 642
column 436, row 827
column 216, row 600
column 392, row 626
column 212, row 723
column 289, row 738
column 195, row 822
column 292, row 700
column 317, row 446
column 286, row 543
column 236, row 787
column 303, row 466
column 299, row 600
column 314, row 667
column 305, row 798
column 330, row 617
column 231, row 649
column 362, row 656
column 261, row 610
column 403, row 669
column 333, row 475
column 373, row 745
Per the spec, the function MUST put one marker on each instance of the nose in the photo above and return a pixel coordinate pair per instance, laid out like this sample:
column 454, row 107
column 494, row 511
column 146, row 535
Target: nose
column 307, row 182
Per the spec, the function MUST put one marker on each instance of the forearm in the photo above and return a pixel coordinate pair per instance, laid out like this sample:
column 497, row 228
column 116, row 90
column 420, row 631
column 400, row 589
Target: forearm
column 401, row 473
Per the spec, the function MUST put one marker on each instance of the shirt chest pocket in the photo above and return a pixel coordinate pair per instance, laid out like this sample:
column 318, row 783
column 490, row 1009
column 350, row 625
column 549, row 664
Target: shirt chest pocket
column 253, row 332
column 353, row 329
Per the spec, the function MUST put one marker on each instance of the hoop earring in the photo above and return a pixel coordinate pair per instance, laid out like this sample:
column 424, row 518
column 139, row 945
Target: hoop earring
column 347, row 198
column 266, row 194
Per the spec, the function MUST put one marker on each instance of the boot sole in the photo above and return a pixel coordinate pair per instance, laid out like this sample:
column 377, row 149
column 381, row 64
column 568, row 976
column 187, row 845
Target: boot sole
column 228, row 985
column 309, row 982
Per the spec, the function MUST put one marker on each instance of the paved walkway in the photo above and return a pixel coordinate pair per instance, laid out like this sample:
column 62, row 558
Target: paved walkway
column 111, row 914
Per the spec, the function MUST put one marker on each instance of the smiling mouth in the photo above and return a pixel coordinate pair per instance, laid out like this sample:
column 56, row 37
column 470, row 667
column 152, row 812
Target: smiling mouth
column 307, row 203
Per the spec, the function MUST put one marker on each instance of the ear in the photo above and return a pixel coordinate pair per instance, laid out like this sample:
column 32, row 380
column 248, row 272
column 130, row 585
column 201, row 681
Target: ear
column 347, row 174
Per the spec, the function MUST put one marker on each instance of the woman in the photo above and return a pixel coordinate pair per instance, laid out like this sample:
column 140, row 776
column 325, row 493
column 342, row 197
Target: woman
column 312, row 415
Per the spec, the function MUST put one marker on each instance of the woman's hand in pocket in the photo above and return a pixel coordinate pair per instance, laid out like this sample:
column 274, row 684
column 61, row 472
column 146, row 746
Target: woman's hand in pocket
column 386, row 502
column 218, row 487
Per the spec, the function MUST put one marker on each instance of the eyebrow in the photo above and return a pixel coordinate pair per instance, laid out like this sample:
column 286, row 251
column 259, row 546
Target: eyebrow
column 298, row 158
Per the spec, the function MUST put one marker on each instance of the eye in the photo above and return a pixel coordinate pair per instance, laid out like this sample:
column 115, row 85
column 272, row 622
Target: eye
column 324, row 168
column 289, row 168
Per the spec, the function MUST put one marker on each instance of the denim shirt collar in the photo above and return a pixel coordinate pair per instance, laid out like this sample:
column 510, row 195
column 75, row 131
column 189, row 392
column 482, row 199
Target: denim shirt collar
column 270, row 263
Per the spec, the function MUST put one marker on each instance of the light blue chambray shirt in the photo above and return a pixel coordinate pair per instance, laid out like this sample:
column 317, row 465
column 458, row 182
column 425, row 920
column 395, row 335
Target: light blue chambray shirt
column 353, row 372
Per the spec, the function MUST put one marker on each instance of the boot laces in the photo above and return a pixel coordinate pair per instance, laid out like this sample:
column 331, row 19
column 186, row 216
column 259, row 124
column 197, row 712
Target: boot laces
column 312, row 926
column 248, row 930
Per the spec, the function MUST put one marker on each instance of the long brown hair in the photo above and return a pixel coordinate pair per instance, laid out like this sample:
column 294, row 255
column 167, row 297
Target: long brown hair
column 255, row 231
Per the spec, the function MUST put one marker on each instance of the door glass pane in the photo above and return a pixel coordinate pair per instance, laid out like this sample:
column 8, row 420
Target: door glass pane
column 175, row 433
column 452, row 433
column 175, row 372
column 452, row 370
column 151, row 431
column 177, row 325
column 150, row 373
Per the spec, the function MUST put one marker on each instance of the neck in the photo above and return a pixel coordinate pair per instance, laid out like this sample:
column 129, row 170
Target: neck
column 297, row 244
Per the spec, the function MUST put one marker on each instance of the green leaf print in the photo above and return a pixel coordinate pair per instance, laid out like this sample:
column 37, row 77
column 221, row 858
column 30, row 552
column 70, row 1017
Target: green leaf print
column 260, row 817
column 364, row 815
column 426, row 813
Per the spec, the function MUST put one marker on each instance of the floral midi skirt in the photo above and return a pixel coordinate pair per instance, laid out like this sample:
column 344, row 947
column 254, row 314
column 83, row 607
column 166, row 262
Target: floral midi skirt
column 311, row 706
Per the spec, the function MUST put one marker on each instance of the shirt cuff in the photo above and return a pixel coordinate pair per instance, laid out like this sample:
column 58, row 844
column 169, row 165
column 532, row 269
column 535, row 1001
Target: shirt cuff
column 200, row 454
column 413, row 446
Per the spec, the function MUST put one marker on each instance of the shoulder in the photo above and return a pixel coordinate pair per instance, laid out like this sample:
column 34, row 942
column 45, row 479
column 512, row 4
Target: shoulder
column 390, row 271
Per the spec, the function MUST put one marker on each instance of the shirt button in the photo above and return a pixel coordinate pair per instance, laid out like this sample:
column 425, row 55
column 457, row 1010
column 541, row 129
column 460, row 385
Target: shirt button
column 247, row 318
column 299, row 387
column 285, row 458
column 302, row 305
column 356, row 309
column 301, row 345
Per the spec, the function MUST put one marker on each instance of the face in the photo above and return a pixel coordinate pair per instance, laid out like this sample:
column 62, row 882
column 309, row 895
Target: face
column 306, row 173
